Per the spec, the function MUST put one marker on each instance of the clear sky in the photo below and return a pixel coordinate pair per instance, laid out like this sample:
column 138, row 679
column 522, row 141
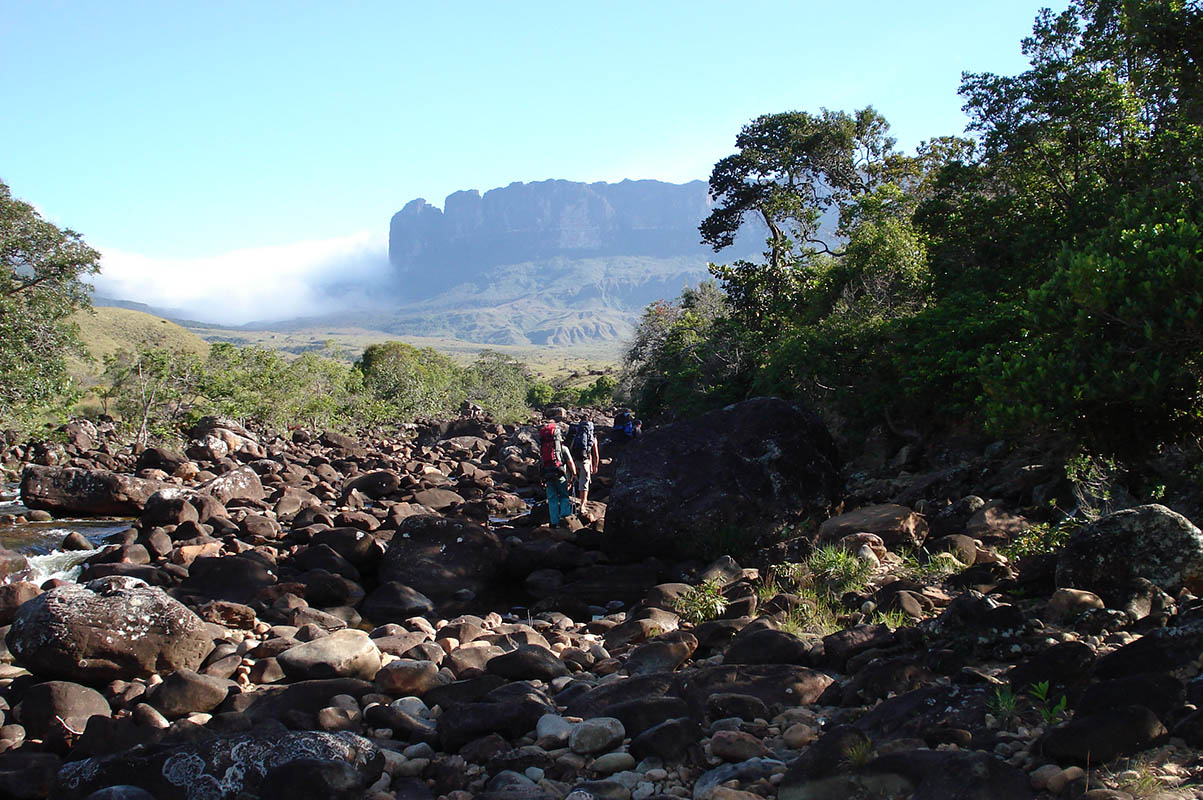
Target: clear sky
column 273, row 136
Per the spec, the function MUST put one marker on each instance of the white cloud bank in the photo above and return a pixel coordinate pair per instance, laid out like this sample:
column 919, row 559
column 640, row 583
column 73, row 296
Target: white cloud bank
column 258, row 284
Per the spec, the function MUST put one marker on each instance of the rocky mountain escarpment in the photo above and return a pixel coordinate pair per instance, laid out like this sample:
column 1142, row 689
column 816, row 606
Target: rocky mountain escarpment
column 553, row 262
column 535, row 222
column 341, row 617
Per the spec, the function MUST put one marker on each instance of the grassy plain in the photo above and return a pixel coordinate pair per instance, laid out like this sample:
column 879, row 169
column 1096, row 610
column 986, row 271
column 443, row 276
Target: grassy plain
column 110, row 329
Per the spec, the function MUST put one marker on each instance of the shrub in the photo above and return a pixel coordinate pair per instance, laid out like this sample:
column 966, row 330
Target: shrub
column 702, row 602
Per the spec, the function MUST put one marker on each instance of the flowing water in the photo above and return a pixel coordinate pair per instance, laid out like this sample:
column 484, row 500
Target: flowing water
column 39, row 541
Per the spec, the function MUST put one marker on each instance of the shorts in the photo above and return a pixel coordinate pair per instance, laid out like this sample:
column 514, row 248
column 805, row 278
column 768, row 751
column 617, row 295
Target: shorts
column 584, row 476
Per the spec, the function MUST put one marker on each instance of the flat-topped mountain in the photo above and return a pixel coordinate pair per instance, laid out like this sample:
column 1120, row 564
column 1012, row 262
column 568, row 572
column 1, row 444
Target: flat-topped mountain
column 558, row 220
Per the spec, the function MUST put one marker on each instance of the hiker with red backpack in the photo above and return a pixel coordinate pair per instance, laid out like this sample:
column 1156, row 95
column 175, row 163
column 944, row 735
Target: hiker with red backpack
column 558, row 469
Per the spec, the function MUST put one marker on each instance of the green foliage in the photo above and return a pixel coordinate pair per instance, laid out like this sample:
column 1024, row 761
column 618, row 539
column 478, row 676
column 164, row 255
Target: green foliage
column 838, row 571
column 921, row 565
column 702, row 602
column 1115, row 335
column 600, row 392
column 151, row 390
column 409, row 382
column 688, row 355
column 815, row 615
column 540, row 394
column 1039, row 539
column 498, row 384
column 1046, row 278
column 1004, row 704
column 857, row 755
column 1051, row 712
column 892, row 619
column 41, row 267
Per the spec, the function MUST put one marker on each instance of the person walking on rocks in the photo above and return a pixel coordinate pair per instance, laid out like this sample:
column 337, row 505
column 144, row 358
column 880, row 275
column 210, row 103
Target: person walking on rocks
column 558, row 469
column 582, row 444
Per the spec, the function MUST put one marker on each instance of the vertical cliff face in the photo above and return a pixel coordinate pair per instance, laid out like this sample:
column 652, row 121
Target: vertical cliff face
column 534, row 222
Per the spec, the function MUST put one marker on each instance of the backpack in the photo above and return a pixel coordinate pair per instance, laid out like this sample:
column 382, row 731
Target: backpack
column 549, row 450
column 580, row 438
column 624, row 424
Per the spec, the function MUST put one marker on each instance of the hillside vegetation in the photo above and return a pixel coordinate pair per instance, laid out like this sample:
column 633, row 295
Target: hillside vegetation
column 106, row 330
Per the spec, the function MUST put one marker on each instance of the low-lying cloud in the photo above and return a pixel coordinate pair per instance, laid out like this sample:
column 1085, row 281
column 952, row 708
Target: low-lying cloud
column 258, row 284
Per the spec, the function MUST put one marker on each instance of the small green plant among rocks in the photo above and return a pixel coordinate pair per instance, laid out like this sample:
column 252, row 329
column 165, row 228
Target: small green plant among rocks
column 814, row 615
column 702, row 602
column 838, row 570
column 1040, row 539
column 1051, row 712
column 1003, row 705
column 857, row 755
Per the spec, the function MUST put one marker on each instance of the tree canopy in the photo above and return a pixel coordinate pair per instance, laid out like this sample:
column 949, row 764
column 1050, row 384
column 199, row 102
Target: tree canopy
column 41, row 286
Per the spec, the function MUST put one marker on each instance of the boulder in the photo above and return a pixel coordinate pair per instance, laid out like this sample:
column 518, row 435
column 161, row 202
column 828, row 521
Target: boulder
column 721, row 481
column 237, row 484
column 343, row 654
column 440, row 557
column 1099, row 737
column 1150, row 542
column 110, row 628
column 897, row 526
column 85, row 491
column 220, row 767
column 185, row 691
column 46, row 706
column 237, row 579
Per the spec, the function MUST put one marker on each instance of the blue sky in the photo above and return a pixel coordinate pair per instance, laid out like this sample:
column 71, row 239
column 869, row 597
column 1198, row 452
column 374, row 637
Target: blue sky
column 271, row 137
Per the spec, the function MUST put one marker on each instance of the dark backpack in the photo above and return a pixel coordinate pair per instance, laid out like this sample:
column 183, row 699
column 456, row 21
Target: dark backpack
column 580, row 438
column 549, row 450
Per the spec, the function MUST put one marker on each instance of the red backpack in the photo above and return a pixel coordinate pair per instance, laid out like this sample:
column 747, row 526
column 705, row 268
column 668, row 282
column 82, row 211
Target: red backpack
column 549, row 450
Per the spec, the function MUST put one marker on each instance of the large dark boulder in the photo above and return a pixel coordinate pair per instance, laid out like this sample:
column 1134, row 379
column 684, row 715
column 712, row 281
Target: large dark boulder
column 108, row 629
column 444, row 559
column 85, row 491
column 721, row 481
column 1151, row 542
column 220, row 767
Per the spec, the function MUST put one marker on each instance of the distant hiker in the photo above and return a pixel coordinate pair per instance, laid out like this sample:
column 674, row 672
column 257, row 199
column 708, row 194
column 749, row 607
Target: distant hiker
column 626, row 427
column 582, row 444
column 558, row 469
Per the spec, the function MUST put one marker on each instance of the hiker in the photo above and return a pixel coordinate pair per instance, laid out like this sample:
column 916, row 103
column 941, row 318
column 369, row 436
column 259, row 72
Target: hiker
column 558, row 469
column 582, row 444
column 626, row 427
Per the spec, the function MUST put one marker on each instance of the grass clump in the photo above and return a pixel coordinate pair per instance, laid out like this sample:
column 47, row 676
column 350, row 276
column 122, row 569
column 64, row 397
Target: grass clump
column 701, row 603
column 815, row 615
column 840, row 571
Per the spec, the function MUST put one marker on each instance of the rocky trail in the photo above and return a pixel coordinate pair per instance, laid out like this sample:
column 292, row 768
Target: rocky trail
column 332, row 617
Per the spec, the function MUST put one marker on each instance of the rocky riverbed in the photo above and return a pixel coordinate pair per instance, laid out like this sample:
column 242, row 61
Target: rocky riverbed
column 335, row 617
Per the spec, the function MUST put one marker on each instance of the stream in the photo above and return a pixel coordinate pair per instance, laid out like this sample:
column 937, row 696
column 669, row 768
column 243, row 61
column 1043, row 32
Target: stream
column 39, row 541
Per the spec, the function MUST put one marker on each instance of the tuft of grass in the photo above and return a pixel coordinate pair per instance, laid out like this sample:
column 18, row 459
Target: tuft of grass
column 892, row 619
column 702, row 602
column 1004, row 705
column 840, row 571
column 921, row 565
column 1139, row 779
column 767, row 589
column 857, row 755
column 815, row 615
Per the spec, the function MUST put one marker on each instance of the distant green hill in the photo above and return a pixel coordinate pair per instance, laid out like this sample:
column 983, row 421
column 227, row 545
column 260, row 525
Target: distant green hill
column 107, row 330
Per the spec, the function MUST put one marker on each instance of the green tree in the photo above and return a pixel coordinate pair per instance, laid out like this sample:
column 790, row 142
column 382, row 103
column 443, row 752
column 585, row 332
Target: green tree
column 499, row 384
column 152, row 389
column 1111, row 351
column 41, row 267
column 411, row 382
